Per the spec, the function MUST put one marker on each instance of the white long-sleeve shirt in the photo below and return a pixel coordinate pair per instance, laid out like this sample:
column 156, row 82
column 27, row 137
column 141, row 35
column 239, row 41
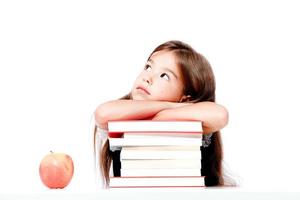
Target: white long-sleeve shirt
column 100, row 139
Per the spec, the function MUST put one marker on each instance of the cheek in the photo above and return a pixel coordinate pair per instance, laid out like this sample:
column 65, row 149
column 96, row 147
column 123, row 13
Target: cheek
column 137, row 80
column 168, row 94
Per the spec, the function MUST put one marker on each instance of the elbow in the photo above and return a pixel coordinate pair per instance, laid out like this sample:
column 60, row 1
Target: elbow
column 223, row 117
column 101, row 115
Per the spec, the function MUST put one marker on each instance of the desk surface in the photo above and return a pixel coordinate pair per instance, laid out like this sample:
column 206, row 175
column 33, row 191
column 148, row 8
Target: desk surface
column 159, row 193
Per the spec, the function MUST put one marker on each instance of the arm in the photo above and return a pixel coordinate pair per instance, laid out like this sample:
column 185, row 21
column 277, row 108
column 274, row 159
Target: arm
column 213, row 116
column 129, row 109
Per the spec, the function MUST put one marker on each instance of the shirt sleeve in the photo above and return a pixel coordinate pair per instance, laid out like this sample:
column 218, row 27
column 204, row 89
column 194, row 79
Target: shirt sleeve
column 100, row 138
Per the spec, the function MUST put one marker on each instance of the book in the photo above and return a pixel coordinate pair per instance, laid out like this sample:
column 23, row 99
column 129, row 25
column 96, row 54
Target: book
column 117, row 128
column 161, row 172
column 165, row 148
column 152, row 141
column 161, row 164
column 171, row 181
column 161, row 153
column 161, row 134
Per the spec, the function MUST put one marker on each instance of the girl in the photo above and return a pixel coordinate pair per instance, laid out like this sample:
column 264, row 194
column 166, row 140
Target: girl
column 177, row 83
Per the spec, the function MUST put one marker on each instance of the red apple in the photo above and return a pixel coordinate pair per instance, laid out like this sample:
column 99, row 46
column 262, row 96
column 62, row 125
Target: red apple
column 56, row 170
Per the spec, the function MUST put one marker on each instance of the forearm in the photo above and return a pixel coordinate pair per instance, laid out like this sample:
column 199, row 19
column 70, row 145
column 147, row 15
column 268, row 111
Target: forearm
column 213, row 116
column 129, row 110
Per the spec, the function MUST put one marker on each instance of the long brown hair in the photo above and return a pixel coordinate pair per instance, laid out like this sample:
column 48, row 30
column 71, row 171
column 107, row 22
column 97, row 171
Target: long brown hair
column 199, row 84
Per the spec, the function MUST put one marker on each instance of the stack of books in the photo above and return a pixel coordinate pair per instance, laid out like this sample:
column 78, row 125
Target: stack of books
column 157, row 153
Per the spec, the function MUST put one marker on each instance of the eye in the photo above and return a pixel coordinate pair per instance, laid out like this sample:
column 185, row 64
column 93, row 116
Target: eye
column 165, row 76
column 147, row 68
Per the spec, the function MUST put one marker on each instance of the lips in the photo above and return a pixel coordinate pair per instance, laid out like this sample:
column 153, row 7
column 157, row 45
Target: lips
column 143, row 89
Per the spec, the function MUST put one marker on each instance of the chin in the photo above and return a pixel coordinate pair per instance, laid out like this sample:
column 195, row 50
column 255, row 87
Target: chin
column 139, row 97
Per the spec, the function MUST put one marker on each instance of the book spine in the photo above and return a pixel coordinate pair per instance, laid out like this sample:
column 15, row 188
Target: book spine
column 150, row 125
column 160, row 164
column 170, row 181
column 155, row 142
column 127, row 154
column 154, row 134
column 160, row 172
column 161, row 134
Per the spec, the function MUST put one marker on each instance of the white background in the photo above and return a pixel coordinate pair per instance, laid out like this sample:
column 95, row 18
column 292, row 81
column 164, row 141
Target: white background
column 60, row 59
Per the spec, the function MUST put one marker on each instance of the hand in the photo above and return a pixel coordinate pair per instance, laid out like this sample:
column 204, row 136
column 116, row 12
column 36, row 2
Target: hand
column 165, row 114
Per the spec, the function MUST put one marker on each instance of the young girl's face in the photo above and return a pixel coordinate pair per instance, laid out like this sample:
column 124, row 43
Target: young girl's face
column 160, row 80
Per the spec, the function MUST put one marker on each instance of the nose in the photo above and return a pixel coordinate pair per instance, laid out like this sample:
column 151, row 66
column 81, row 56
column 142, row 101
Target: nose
column 147, row 79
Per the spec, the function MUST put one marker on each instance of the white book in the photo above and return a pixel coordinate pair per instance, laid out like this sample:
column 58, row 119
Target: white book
column 161, row 164
column 127, row 153
column 128, row 182
column 161, row 172
column 154, row 126
column 122, row 142
column 163, row 148
column 161, row 134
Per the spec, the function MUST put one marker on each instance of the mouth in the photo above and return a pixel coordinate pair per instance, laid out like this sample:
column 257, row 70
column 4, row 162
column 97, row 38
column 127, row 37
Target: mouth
column 143, row 89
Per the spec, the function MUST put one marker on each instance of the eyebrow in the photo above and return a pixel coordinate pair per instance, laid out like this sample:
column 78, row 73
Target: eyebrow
column 164, row 68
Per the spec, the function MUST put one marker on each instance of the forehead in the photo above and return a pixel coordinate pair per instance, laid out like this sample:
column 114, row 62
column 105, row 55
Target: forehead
column 165, row 59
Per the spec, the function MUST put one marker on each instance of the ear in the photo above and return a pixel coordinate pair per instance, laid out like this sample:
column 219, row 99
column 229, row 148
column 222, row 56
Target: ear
column 185, row 98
